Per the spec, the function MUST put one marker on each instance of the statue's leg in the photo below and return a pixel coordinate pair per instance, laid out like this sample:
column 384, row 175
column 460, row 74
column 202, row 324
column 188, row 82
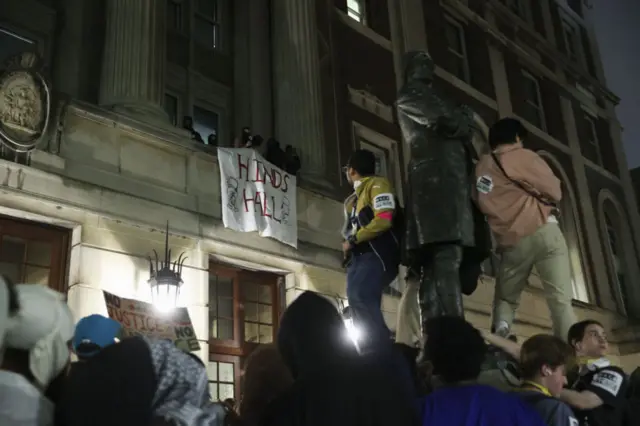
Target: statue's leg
column 445, row 278
column 430, row 303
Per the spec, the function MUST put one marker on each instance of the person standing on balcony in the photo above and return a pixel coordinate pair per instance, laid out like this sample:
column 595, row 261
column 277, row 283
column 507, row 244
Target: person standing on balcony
column 518, row 192
column 371, row 246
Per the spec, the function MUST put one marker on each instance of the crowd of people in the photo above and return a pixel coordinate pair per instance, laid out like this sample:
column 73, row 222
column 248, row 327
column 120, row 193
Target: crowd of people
column 286, row 159
column 312, row 375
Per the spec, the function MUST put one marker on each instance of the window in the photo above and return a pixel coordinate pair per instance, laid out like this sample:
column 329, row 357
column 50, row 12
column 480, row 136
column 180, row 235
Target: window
column 356, row 10
column 174, row 15
column 242, row 315
column 456, row 45
column 11, row 44
column 382, row 159
column 206, row 23
column 222, row 373
column 231, row 292
column 571, row 40
column 617, row 262
column 258, row 313
column 386, row 152
column 205, row 123
column 171, row 108
column 221, row 307
column 533, row 110
column 591, row 132
column 33, row 253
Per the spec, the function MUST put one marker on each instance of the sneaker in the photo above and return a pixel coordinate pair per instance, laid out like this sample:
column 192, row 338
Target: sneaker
column 502, row 330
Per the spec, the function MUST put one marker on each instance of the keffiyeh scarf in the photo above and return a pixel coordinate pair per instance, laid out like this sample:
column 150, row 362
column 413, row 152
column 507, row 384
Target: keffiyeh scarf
column 183, row 388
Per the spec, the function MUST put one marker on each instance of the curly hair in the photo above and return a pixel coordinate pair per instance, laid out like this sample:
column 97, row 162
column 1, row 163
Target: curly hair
column 266, row 376
column 455, row 348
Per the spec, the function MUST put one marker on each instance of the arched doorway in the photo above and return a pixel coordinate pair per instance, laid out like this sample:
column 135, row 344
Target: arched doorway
column 616, row 262
column 569, row 221
column 620, row 253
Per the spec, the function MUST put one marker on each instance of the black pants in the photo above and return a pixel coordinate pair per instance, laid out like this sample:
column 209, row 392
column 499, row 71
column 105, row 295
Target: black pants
column 440, row 288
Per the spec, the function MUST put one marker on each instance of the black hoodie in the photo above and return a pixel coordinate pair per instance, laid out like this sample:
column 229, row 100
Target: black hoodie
column 333, row 385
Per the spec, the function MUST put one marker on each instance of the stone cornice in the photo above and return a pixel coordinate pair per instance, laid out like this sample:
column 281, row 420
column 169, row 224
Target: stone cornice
column 369, row 102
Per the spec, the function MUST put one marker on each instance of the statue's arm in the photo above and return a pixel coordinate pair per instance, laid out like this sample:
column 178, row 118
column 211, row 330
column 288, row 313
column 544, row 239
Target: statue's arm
column 457, row 124
column 411, row 107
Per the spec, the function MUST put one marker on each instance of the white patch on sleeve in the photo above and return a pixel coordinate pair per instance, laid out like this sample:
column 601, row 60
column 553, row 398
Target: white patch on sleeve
column 484, row 184
column 384, row 202
column 609, row 380
column 573, row 422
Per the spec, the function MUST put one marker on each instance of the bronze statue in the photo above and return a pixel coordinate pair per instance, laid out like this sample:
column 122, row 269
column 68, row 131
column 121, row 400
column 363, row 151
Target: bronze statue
column 446, row 237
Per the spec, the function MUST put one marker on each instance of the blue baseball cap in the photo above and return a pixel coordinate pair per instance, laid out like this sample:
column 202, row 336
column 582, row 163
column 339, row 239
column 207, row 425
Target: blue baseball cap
column 94, row 333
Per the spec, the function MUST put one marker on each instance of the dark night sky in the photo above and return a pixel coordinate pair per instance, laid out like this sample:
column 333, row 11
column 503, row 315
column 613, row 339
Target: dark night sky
column 618, row 31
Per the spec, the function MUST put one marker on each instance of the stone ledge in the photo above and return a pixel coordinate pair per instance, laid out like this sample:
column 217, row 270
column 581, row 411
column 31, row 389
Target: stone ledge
column 92, row 144
column 51, row 195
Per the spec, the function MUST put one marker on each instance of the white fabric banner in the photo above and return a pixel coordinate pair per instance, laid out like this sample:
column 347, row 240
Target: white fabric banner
column 257, row 196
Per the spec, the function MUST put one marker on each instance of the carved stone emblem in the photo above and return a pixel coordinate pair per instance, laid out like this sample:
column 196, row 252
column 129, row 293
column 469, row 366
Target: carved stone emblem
column 25, row 103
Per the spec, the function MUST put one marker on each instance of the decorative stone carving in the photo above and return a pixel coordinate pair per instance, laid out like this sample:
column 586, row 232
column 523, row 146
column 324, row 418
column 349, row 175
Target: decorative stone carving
column 371, row 103
column 25, row 103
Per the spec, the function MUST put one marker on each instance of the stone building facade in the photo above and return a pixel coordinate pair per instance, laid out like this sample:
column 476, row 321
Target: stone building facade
column 81, row 211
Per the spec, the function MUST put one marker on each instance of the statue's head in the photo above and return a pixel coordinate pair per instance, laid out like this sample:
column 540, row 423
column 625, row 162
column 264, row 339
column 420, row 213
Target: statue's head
column 418, row 66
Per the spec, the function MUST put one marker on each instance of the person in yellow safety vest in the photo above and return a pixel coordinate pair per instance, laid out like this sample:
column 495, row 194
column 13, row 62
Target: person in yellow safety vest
column 371, row 246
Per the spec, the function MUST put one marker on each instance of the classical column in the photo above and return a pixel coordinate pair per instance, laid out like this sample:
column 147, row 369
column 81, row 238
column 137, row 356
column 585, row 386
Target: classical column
column 252, row 63
column 297, row 96
column 133, row 66
column 260, row 67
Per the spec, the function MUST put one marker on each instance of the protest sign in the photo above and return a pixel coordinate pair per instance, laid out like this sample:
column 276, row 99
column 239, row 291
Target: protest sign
column 142, row 319
column 257, row 196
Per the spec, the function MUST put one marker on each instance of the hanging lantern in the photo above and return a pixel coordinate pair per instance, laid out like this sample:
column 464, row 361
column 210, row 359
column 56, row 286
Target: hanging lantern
column 165, row 278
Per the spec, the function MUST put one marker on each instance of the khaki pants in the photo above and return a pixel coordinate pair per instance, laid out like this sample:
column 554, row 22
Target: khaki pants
column 547, row 250
column 408, row 330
